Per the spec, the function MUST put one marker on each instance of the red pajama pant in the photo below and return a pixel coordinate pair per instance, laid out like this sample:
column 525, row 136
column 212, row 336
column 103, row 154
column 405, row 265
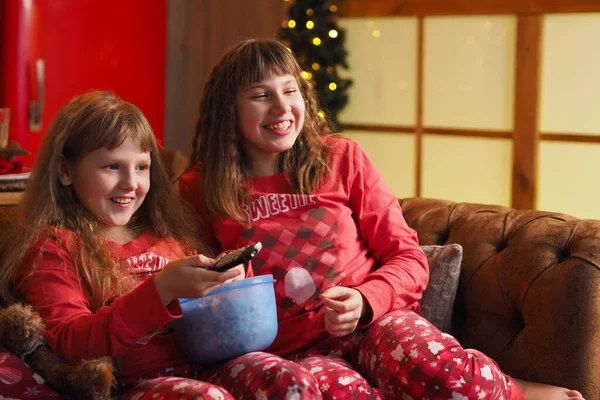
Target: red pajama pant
column 400, row 356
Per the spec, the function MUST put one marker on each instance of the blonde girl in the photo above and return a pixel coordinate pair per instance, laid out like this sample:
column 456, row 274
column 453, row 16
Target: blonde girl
column 104, row 248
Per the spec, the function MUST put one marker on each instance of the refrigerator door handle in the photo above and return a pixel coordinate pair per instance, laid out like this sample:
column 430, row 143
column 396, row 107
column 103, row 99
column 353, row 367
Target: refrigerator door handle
column 36, row 107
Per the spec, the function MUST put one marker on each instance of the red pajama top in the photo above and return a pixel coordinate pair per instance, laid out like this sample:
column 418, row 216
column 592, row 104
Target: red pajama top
column 133, row 329
column 349, row 232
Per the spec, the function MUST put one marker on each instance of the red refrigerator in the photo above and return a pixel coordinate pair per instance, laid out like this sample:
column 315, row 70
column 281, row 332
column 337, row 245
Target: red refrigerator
column 52, row 50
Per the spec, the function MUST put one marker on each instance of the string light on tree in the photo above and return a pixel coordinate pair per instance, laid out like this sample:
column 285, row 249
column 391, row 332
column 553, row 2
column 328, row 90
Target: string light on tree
column 306, row 75
column 312, row 33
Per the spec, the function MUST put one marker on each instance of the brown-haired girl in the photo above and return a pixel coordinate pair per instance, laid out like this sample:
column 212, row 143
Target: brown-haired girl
column 349, row 270
column 105, row 248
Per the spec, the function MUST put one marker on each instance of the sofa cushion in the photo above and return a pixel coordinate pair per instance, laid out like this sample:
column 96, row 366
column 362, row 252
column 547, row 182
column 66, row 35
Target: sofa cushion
column 19, row 381
column 444, row 271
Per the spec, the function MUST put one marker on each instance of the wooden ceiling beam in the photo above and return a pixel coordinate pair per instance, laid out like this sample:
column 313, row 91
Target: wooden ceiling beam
column 388, row 8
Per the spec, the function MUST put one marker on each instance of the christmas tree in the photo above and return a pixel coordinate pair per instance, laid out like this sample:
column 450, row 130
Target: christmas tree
column 318, row 43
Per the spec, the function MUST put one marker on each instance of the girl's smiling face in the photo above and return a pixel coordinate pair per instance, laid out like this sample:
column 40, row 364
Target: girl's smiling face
column 111, row 184
column 270, row 116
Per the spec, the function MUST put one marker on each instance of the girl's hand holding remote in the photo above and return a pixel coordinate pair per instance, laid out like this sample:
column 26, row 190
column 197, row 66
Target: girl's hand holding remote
column 189, row 277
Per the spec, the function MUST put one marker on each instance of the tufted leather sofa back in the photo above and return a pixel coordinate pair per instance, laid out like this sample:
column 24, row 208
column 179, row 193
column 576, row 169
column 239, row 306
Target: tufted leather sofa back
column 529, row 292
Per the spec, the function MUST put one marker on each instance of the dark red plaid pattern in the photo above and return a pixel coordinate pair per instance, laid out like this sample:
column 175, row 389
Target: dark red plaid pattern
column 307, row 244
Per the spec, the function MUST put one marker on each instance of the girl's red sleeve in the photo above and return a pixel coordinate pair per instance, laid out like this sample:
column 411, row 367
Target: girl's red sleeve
column 402, row 272
column 72, row 330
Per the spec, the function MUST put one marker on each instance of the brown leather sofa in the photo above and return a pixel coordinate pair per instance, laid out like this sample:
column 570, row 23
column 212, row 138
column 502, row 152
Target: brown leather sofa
column 529, row 291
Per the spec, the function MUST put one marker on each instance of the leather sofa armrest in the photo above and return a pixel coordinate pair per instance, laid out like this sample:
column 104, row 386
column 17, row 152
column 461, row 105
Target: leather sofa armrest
column 529, row 292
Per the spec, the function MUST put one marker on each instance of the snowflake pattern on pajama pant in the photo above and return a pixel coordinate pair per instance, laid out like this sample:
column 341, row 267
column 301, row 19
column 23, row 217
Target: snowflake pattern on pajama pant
column 400, row 356
column 175, row 388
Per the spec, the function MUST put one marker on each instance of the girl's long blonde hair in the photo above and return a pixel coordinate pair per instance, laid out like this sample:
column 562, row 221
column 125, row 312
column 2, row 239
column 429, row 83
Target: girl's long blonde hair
column 86, row 123
column 217, row 146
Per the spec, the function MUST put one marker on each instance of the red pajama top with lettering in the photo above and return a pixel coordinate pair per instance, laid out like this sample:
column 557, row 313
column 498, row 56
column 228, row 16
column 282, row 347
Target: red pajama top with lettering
column 133, row 329
column 349, row 232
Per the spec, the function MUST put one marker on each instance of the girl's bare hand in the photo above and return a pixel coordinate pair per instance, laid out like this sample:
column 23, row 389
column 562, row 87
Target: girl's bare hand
column 189, row 277
column 343, row 309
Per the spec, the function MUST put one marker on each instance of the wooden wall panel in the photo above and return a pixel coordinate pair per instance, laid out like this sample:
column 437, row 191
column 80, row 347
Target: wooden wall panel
column 527, row 88
column 419, row 110
column 198, row 33
column 381, row 8
column 526, row 136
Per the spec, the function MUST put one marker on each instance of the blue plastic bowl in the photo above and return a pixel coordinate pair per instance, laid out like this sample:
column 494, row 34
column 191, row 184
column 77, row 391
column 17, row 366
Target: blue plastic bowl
column 237, row 318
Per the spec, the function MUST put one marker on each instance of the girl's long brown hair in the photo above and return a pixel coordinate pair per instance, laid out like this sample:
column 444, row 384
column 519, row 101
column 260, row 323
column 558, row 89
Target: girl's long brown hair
column 86, row 123
column 217, row 147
